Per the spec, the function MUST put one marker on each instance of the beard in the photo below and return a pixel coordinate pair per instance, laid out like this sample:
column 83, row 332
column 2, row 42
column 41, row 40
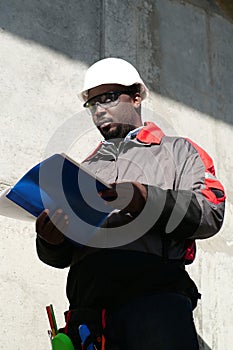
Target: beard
column 116, row 131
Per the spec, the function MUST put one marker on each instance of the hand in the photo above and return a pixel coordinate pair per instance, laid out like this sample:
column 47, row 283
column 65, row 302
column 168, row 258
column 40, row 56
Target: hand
column 129, row 197
column 116, row 219
column 51, row 229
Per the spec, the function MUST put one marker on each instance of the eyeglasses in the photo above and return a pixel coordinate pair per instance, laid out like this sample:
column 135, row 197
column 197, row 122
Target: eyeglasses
column 106, row 100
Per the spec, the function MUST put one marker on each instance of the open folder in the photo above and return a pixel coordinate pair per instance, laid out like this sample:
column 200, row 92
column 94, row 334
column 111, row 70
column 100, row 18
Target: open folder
column 57, row 182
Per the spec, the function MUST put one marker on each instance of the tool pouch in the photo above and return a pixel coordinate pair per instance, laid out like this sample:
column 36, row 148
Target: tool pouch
column 95, row 321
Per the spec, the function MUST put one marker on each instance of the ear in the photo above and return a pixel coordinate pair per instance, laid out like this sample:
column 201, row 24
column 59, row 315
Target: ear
column 137, row 100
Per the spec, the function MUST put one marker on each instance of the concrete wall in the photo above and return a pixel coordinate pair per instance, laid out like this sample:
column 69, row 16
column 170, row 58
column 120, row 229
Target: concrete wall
column 184, row 51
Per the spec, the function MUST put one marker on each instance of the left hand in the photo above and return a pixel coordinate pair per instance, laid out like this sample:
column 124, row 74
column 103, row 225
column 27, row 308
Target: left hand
column 51, row 228
column 129, row 197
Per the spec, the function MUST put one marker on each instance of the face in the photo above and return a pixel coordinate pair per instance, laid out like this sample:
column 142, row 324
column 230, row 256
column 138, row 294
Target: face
column 115, row 120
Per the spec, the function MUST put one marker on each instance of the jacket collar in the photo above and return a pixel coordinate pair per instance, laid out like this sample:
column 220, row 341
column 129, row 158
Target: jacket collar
column 150, row 133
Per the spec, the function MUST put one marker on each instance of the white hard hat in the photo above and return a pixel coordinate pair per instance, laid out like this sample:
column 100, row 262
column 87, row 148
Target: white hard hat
column 112, row 71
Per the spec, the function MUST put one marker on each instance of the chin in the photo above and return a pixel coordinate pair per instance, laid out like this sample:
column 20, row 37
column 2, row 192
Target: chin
column 117, row 131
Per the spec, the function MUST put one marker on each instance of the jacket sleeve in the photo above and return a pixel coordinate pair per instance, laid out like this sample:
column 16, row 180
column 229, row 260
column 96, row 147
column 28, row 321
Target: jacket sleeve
column 59, row 256
column 194, row 208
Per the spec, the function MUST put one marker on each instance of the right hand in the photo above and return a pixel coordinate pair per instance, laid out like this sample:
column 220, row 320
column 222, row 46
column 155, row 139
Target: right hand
column 51, row 229
column 128, row 197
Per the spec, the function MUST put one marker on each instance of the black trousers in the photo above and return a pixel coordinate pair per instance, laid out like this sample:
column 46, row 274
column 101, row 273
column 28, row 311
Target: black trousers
column 156, row 322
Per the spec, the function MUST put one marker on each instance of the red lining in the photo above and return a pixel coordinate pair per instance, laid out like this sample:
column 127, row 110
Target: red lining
column 150, row 133
column 190, row 252
column 68, row 315
column 209, row 182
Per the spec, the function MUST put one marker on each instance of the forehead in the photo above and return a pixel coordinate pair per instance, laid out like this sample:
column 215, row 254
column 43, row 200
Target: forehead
column 101, row 89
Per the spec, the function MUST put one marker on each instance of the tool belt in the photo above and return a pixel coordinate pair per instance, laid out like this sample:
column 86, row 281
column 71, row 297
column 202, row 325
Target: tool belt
column 93, row 319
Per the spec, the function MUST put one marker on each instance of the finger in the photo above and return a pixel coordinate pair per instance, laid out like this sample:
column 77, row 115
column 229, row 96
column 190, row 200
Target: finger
column 124, row 192
column 108, row 195
column 139, row 198
column 62, row 223
column 52, row 230
column 57, row 221
column 40, row 221
column 116, row 220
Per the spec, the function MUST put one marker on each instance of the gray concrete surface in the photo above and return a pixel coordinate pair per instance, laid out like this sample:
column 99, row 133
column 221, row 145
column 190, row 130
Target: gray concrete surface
column 184, row 51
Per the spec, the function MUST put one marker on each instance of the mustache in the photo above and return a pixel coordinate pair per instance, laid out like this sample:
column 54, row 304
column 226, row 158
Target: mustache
column 101, row 121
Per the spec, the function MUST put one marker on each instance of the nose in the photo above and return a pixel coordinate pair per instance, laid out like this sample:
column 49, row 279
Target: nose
column 98, row 114
column 99, row 107
column 99, row 110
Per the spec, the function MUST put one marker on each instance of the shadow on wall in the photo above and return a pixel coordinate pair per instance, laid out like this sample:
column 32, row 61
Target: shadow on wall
column 69, row 27
column 190, row 50
column 196, row 56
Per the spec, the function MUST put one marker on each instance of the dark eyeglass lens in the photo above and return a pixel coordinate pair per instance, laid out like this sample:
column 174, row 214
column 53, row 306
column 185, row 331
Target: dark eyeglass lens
column 108, row 97
column 105, row 98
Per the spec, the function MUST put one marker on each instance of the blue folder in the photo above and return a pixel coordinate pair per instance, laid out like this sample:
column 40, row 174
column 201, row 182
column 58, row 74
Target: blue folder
column 59, row 182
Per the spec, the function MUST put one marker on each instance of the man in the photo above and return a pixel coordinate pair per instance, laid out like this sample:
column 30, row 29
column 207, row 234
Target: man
column 163, row 187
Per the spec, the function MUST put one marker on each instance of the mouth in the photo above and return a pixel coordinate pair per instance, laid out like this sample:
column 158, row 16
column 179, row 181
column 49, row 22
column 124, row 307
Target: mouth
column 104, row 124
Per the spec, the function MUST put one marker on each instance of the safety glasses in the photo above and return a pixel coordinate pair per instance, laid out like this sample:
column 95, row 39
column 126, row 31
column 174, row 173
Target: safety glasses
column 105, row 100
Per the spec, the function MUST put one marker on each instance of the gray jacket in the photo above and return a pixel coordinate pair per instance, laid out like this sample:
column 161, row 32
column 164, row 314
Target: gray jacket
column 185, row 201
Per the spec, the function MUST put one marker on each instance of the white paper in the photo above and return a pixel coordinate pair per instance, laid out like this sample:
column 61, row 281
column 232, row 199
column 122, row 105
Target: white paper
column 12, row 210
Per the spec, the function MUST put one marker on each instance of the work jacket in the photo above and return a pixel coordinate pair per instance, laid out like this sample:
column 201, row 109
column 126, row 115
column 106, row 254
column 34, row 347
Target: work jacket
column 185, row 202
